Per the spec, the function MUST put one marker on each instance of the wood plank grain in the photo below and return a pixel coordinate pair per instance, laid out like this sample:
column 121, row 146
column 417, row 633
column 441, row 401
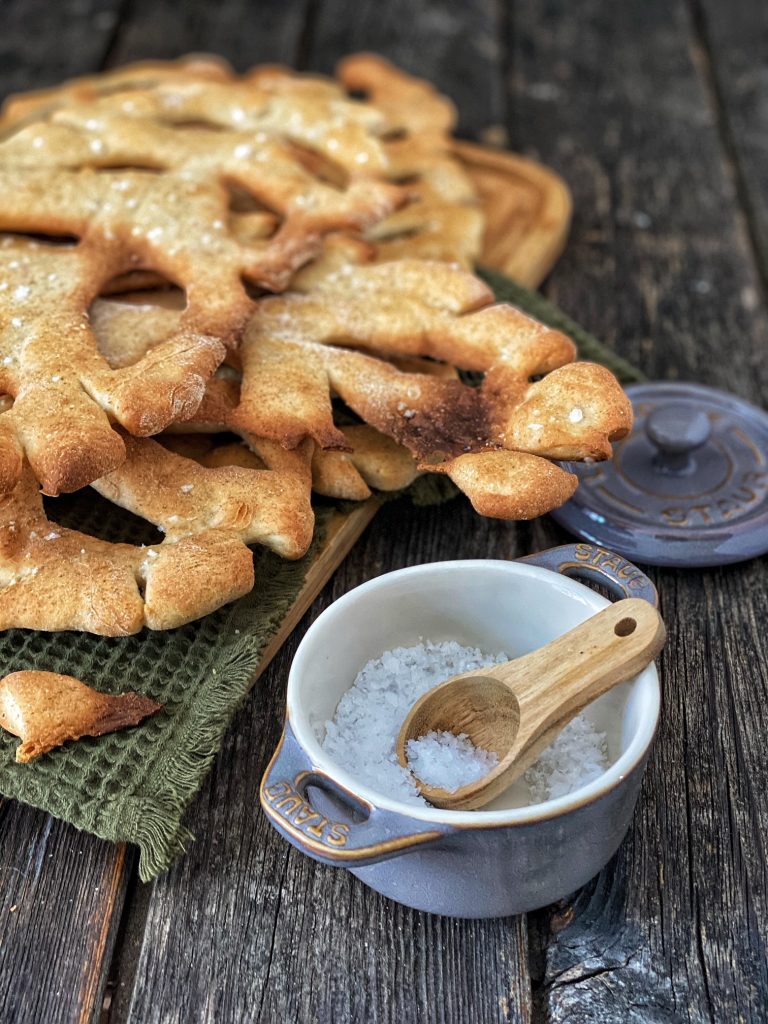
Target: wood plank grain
column 454, row 45
column 43, row 43
column 244, row 928
column 658, row 260
column 732, row 43
column 245, row 33
column 61, row 891
column 659, row 266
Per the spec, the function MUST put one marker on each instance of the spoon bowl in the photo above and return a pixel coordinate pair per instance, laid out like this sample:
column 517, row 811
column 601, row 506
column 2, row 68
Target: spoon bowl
column 480, row 706
column 516, row 709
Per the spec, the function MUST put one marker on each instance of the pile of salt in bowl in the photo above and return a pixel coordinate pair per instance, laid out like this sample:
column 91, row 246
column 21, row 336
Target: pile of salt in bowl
column 362, row 735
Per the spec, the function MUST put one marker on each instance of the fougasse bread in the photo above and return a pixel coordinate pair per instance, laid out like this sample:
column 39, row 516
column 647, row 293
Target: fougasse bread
column 374, row 333
column 208, row 190
column 52, row 578
column 314, row 251
column 444, row 220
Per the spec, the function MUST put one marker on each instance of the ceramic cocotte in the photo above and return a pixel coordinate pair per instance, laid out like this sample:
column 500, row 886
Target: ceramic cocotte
column 505, row 858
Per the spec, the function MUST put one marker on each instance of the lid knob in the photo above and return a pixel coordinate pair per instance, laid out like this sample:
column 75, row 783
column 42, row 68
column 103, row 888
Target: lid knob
column 677, row 431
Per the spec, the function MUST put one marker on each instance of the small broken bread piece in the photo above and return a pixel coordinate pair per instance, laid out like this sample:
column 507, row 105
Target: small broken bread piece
column 45, row 709
column 372, row 461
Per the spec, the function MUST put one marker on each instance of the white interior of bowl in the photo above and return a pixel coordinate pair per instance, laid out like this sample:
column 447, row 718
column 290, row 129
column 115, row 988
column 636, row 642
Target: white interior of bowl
column 493, row 605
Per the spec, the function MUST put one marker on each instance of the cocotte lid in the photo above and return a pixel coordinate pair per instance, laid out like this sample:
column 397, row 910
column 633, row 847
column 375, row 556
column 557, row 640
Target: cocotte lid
column 688, row 487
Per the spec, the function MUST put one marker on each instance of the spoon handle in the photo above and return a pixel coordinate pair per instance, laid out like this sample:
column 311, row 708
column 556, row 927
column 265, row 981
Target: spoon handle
column 555, row 682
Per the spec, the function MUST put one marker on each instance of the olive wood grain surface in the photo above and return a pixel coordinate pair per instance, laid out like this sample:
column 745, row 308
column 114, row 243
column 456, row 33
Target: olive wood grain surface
column 651, row 112
column 529, row 211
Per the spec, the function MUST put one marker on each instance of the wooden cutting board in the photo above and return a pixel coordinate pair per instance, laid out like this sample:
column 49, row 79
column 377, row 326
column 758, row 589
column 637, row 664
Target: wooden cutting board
column 528, row 210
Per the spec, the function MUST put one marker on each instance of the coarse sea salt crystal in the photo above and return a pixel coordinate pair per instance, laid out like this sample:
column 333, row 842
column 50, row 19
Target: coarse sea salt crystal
column 449, row 761
column 578, row 756
column 362, row 735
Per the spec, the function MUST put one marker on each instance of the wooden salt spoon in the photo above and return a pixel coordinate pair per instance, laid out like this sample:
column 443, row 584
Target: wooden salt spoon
column 516, row 709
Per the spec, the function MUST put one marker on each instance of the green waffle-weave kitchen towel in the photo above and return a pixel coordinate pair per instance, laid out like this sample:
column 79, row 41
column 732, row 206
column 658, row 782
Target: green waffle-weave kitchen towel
column 134, row 786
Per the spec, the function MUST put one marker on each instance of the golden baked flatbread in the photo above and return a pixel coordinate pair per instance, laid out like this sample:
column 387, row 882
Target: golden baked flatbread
column 209, row 189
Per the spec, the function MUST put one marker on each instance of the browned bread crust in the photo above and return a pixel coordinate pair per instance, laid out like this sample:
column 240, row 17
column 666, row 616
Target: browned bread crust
column 443, row 220
column 187, row 174
column 370, row 333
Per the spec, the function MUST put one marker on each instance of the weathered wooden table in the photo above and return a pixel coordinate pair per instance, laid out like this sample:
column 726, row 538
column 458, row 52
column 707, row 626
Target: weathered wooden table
column 656, row 113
